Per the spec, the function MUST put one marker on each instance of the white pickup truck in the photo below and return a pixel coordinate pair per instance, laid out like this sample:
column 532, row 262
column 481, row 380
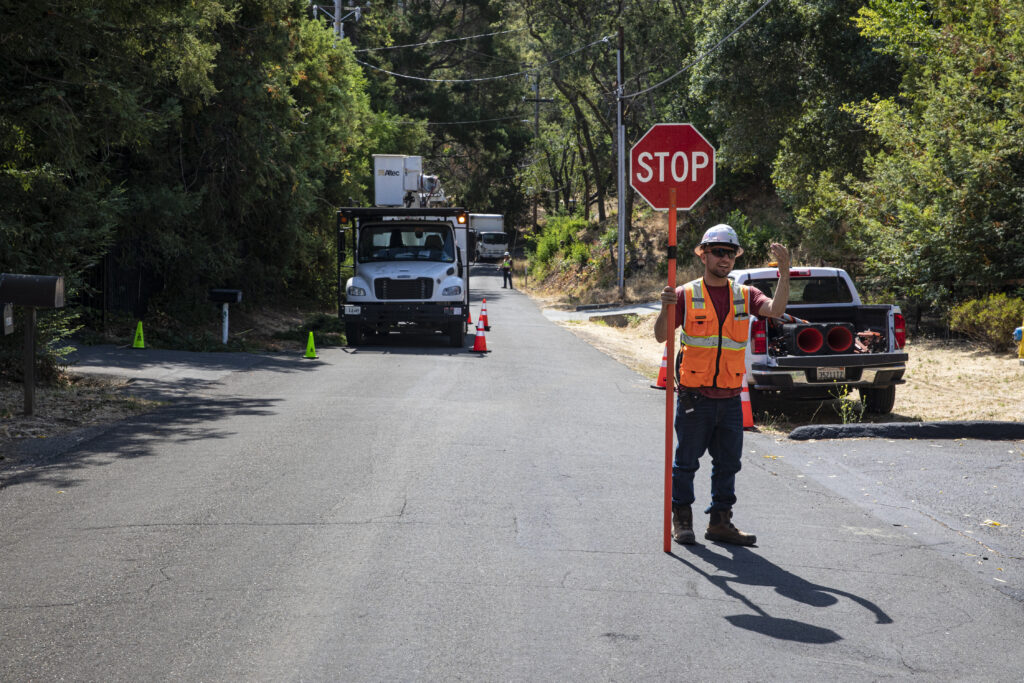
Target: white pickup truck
column 828, row 342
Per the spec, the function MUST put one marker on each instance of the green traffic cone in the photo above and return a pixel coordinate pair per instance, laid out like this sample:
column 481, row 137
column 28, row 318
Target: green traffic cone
column 139, row 342
column 310, row 349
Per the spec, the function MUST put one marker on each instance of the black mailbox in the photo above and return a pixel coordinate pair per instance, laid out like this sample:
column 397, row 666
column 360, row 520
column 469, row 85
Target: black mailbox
column 226, row 296
column 39, row 291
column 30, row 292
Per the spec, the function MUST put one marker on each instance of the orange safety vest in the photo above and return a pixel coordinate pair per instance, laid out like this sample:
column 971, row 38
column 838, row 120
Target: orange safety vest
column 714, row 352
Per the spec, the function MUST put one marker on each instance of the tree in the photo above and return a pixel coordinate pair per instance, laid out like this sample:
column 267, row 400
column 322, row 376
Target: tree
column 83, row 84
column 937, row 211
column 452, row 59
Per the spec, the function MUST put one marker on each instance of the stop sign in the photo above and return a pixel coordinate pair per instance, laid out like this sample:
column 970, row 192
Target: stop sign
column 672, row 155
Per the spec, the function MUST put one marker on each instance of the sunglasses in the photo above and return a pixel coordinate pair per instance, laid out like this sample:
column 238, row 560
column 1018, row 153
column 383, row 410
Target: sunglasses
column 723, row 253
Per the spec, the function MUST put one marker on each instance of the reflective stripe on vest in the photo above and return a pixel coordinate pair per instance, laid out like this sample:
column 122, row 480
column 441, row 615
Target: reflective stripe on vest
column 698, row 294
column 739, row 302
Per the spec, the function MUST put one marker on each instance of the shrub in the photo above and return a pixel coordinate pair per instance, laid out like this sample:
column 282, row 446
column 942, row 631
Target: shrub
column 754, row 238
column 559, row 234
column 990, row 321
column 610, row 237
column 578, row 253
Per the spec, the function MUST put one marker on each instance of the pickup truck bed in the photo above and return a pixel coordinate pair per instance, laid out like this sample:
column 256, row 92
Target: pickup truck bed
column 823, row 299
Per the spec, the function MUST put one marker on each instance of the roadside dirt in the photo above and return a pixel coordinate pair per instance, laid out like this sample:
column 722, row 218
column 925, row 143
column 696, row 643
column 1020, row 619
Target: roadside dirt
column 944, row 381
column 79, row 402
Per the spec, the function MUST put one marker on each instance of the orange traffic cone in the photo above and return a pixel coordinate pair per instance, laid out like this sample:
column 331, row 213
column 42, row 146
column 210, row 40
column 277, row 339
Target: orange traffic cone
column 483, row 316
column 748, row 413
column 480, row 343
column 663, row 372
column 469, row 316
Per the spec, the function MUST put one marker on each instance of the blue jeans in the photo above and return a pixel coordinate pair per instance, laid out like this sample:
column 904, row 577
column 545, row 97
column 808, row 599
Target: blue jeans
column 715, row 426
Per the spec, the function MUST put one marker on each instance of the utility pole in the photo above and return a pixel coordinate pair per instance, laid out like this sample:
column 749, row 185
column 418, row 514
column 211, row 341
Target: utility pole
column 620, row 134
column 536, row 99
column 337, row 18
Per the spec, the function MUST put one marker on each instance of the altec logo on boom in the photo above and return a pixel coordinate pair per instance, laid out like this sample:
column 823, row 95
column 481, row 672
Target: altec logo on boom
column 672, row 155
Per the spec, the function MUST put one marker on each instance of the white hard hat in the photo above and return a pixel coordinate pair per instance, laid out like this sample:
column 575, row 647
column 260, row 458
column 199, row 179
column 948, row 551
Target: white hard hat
column 719, row 234
column 507, row 254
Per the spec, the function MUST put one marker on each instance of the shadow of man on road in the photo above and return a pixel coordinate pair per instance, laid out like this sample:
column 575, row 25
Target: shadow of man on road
column 746, row 568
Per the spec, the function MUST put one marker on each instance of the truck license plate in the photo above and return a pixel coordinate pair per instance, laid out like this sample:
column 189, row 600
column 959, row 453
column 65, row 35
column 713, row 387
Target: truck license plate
column 352, row 310
column 831, row 373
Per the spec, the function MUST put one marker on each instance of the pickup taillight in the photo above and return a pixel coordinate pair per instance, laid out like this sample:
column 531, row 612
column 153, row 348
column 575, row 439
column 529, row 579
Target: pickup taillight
column 759, row 336
column 900, row 330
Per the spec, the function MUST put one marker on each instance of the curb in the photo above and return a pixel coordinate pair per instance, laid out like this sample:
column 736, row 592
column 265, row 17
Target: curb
column 991, row 431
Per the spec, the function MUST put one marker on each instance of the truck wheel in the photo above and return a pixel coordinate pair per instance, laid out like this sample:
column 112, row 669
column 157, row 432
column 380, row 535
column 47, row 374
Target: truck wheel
column 457, row 334
column 879, row 401
column 353, row 334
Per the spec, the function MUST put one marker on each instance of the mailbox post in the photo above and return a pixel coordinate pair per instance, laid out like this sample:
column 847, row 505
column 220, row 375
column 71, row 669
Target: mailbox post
column 225, row 297
column 31, row 292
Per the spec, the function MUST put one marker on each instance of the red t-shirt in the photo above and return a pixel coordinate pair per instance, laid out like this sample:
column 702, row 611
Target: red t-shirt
column 721, row 299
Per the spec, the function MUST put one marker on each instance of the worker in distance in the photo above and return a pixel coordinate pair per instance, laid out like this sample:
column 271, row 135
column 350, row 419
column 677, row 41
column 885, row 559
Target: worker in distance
column 714, row 314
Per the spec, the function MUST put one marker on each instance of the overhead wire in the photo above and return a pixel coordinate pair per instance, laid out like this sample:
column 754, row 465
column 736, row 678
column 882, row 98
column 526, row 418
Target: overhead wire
column 701, row 57
column 456, row 123
column 485, row 78
column 435, row 42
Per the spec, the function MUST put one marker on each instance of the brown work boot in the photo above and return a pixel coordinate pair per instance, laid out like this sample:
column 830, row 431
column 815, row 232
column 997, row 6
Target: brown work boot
column 682, row 524
column 720, row 528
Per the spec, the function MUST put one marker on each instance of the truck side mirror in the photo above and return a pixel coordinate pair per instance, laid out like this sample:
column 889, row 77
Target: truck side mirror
column 458, row 258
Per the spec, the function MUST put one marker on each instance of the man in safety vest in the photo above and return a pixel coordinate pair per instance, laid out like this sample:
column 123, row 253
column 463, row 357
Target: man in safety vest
column 506, row 271
column 714, row 313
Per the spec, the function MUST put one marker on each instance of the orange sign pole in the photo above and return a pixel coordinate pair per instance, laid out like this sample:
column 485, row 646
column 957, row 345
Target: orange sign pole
column 670, row 375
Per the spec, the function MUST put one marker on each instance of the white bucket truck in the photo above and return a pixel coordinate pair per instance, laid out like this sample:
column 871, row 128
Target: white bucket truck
column 409, row 255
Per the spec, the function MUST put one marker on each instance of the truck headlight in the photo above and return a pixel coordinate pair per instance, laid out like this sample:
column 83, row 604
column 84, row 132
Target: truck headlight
column 356, row 291
column 452, row 291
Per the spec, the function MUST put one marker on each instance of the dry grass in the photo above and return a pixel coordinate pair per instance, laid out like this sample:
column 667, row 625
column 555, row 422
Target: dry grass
column 944, row 380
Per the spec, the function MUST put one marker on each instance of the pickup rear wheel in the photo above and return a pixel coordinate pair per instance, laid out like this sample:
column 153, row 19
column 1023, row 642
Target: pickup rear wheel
column 353, row 334
column 879, row 401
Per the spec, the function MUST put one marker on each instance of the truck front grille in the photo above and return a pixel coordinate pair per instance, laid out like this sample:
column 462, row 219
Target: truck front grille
column 387, row 288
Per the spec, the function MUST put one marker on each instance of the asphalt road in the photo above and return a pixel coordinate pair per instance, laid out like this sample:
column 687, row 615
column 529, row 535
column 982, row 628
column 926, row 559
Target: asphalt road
column 414, row 512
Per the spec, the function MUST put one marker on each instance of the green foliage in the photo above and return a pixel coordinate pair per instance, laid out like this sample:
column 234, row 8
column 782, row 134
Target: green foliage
column 559, row 237
column 848, row 410
column 578, row 253
column 754, row 238
column 610, row 237
column 936, row 211
column 990, row 320
column 477, row 159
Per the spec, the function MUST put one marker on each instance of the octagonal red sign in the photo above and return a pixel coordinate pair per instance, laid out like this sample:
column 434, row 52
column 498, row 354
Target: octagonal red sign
column 672, row 155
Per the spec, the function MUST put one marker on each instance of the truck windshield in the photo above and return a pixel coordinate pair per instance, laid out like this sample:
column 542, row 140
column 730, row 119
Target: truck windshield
column 407, row 243
column 809, row 290
column 494, row 238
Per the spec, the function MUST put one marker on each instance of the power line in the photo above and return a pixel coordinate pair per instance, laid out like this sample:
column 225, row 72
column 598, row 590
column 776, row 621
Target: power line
column 485, row 78
column 456, row 123
column 435, row 42
column 704, row 55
